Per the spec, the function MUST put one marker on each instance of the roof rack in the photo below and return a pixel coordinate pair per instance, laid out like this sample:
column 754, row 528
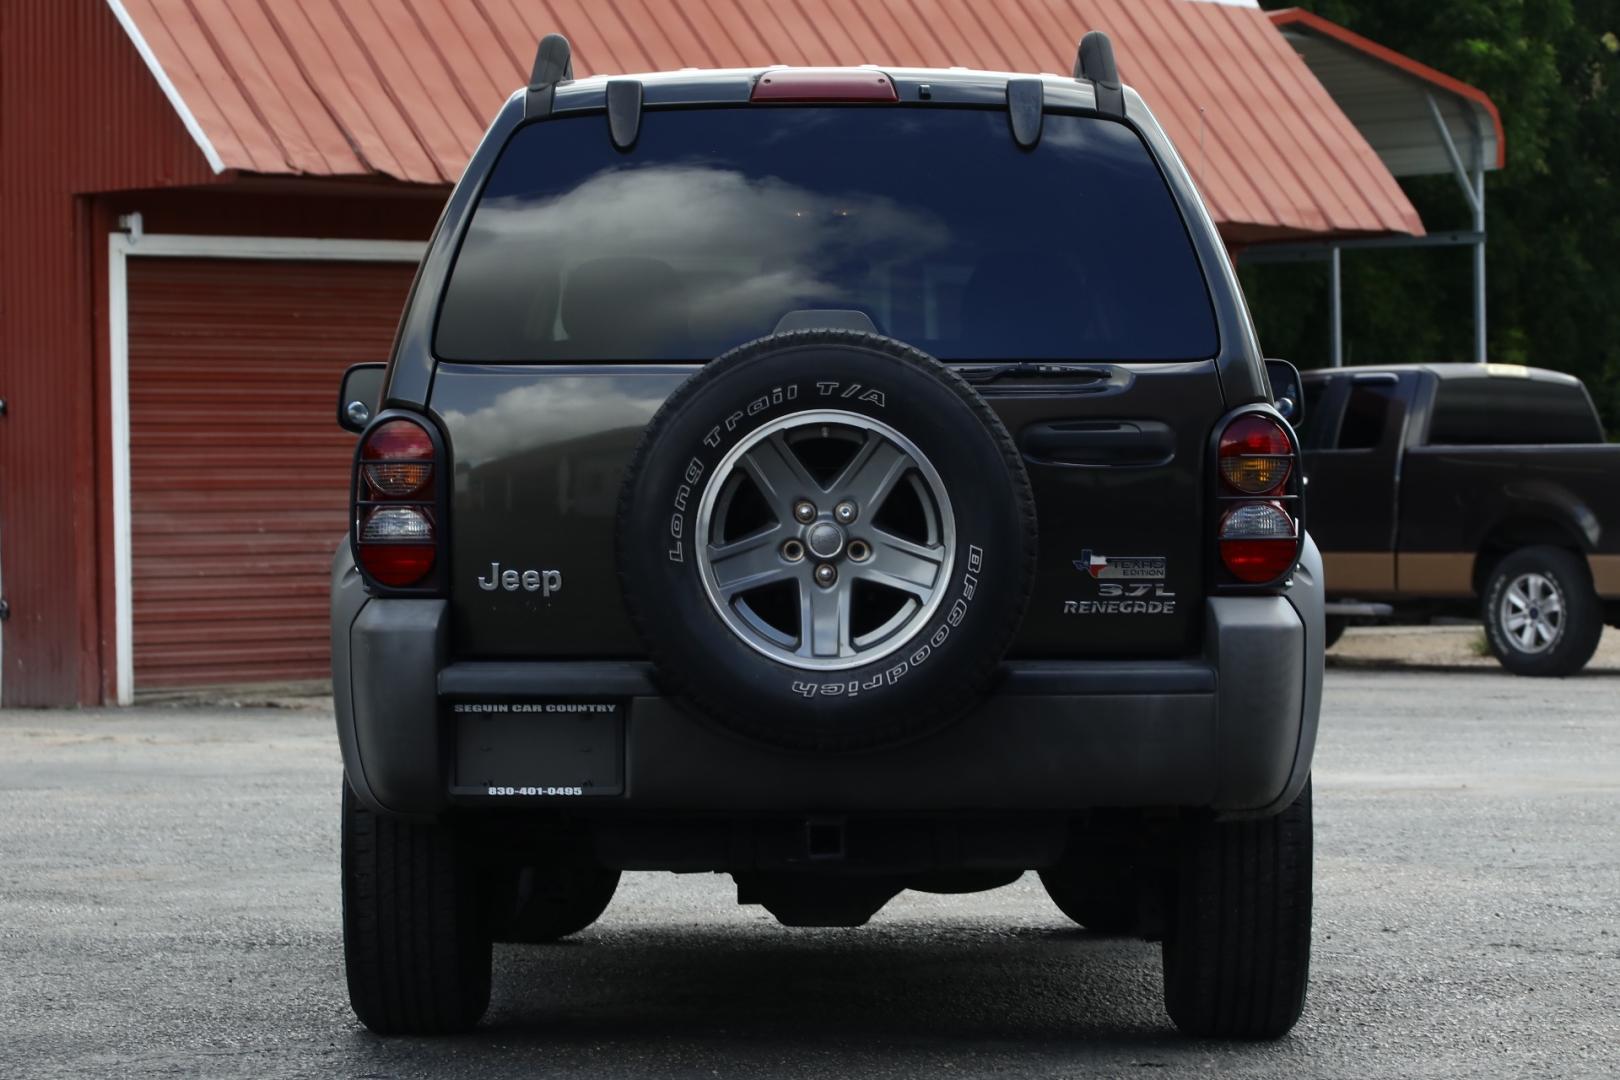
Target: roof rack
column 1026, row 100
column 624, row 112
column 553, row 64
column 1095, row 64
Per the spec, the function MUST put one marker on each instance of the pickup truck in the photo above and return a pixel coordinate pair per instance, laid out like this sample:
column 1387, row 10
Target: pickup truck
column 849, row 480
column 1464, row 489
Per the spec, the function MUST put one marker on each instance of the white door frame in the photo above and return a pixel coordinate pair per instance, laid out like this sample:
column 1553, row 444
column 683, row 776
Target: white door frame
column 120, row 247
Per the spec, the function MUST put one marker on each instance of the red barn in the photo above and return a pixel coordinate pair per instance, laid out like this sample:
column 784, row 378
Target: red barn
column 216, row 205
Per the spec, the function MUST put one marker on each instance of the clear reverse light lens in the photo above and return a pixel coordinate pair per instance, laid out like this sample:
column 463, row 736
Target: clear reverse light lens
column 397, row 524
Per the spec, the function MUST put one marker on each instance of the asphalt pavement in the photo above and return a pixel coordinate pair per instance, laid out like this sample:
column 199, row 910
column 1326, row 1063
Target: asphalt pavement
column 169, row 906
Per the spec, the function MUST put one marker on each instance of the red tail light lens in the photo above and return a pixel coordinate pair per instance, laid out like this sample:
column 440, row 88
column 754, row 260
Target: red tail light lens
column 1256, row 455
column 396, row 540
column 399, row 459
column 1258, row 538
column 1259, row 541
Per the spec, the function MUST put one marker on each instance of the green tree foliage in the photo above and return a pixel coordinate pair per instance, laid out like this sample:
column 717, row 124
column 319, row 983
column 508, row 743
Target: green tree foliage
column 1552, row 215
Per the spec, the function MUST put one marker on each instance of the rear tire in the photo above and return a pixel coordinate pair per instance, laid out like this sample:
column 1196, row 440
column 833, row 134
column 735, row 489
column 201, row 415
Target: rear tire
column 416, row 944
column 1535, row 575
column 1098, row 888
column 537, row 904
column 1334, row 627
column 1237, row 954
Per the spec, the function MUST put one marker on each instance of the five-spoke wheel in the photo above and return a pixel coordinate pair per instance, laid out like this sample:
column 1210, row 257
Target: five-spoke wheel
column 827, row 539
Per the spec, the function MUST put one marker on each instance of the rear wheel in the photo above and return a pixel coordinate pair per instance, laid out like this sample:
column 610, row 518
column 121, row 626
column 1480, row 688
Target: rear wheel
column 1238, row 947
column 1542, row 615
column 1334, row 627
column 416, row 944
column 535, row 904
column 1099, row 889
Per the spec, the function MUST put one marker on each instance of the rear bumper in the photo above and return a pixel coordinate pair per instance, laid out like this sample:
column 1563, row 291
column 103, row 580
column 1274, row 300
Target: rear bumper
column 1232, row 730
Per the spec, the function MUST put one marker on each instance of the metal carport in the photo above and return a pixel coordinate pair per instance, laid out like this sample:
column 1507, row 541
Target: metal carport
column 1421, row 122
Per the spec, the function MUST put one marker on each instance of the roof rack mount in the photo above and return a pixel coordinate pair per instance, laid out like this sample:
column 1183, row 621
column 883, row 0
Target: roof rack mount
column 1095, row 64
column 553, row 65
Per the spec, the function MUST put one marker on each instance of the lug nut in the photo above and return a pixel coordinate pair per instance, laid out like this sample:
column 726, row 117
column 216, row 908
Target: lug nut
column 844, row 512
column 825, row 574
column 859, row 551
column 804, row 511
column 792, row 551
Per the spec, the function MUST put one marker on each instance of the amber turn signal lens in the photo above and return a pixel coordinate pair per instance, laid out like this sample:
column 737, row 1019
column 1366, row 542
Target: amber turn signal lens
column 1256, row 455
column 1255, row 475
column 396, row 479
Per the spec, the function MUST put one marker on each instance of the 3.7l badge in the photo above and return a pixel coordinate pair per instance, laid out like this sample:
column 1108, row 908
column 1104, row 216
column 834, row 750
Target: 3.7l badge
column 1127, row 585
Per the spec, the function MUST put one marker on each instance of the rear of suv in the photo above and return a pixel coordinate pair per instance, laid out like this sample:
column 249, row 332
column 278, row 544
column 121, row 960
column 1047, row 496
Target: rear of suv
column 848, row 480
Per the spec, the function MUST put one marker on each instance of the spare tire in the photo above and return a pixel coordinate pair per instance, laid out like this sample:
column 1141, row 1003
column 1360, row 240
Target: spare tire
column 826, row 541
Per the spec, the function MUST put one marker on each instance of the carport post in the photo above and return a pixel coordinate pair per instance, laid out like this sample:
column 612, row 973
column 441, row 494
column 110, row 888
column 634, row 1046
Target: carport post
column 1479, row 259
column 1472, row 182
column 1335, row 310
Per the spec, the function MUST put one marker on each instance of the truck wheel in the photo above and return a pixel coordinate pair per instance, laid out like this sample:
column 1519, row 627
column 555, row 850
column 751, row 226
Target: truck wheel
column 416, row 943
column 826, row 541
column 536, row 904
column 1334, row 627
column 1542, row 615
column 1238, row 946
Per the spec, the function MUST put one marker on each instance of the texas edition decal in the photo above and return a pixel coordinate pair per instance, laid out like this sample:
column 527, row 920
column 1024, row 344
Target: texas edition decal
column 1126, row 585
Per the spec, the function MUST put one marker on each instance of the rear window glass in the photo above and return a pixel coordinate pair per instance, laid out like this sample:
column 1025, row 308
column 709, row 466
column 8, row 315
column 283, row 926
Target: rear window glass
column 1368, row 412
column 1511, row 412
column 931, row 221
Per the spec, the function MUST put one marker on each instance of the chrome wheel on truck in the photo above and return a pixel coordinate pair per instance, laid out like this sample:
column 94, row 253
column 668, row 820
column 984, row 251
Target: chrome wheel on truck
column 1532, row 612
column 1542, row 615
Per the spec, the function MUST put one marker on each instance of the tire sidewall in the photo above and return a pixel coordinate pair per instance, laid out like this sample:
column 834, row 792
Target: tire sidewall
column 747, row 690
column 1564, row 570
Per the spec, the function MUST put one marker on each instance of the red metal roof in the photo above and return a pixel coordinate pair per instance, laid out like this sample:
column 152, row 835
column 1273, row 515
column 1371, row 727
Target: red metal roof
column 405, row 88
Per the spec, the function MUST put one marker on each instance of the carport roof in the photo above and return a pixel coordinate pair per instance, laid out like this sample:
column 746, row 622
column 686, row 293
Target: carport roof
column 405, row 88
column 1386, row 94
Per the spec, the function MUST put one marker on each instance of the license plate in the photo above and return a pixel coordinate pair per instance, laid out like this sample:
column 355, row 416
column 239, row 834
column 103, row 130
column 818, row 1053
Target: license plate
column 539, row 749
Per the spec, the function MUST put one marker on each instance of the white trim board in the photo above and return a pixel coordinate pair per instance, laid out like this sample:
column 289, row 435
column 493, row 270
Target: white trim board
column 170, row 91
column 120, row 246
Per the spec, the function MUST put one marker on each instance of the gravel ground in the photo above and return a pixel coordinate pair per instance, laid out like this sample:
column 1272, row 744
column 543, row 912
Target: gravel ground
column 1442, row 646
column 169, row 906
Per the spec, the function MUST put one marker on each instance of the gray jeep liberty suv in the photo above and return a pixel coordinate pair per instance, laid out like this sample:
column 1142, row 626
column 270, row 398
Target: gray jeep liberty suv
column 695, row 529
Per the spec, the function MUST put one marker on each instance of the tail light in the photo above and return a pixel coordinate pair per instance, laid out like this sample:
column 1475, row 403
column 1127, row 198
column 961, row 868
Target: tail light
column 1259, row 530
column 396, row 503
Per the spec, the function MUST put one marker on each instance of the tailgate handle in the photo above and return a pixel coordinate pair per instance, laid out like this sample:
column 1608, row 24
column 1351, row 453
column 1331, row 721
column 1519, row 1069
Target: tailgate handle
column 1099, row 443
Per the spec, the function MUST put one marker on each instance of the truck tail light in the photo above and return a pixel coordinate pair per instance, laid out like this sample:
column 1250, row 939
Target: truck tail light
column 396, row 538
column 1259, row 531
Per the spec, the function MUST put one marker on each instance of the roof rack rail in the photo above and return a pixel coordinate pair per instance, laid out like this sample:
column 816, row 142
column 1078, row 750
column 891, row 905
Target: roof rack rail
column 553, row 64
column 1095, row 63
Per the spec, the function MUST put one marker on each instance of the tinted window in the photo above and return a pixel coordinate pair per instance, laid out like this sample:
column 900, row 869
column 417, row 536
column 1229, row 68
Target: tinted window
column 1511, row 412
column 1315, row 410
column 931, row 221
column 1368, row 413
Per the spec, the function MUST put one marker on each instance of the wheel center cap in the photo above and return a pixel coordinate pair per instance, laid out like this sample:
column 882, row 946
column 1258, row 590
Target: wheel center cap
column 824, row 540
